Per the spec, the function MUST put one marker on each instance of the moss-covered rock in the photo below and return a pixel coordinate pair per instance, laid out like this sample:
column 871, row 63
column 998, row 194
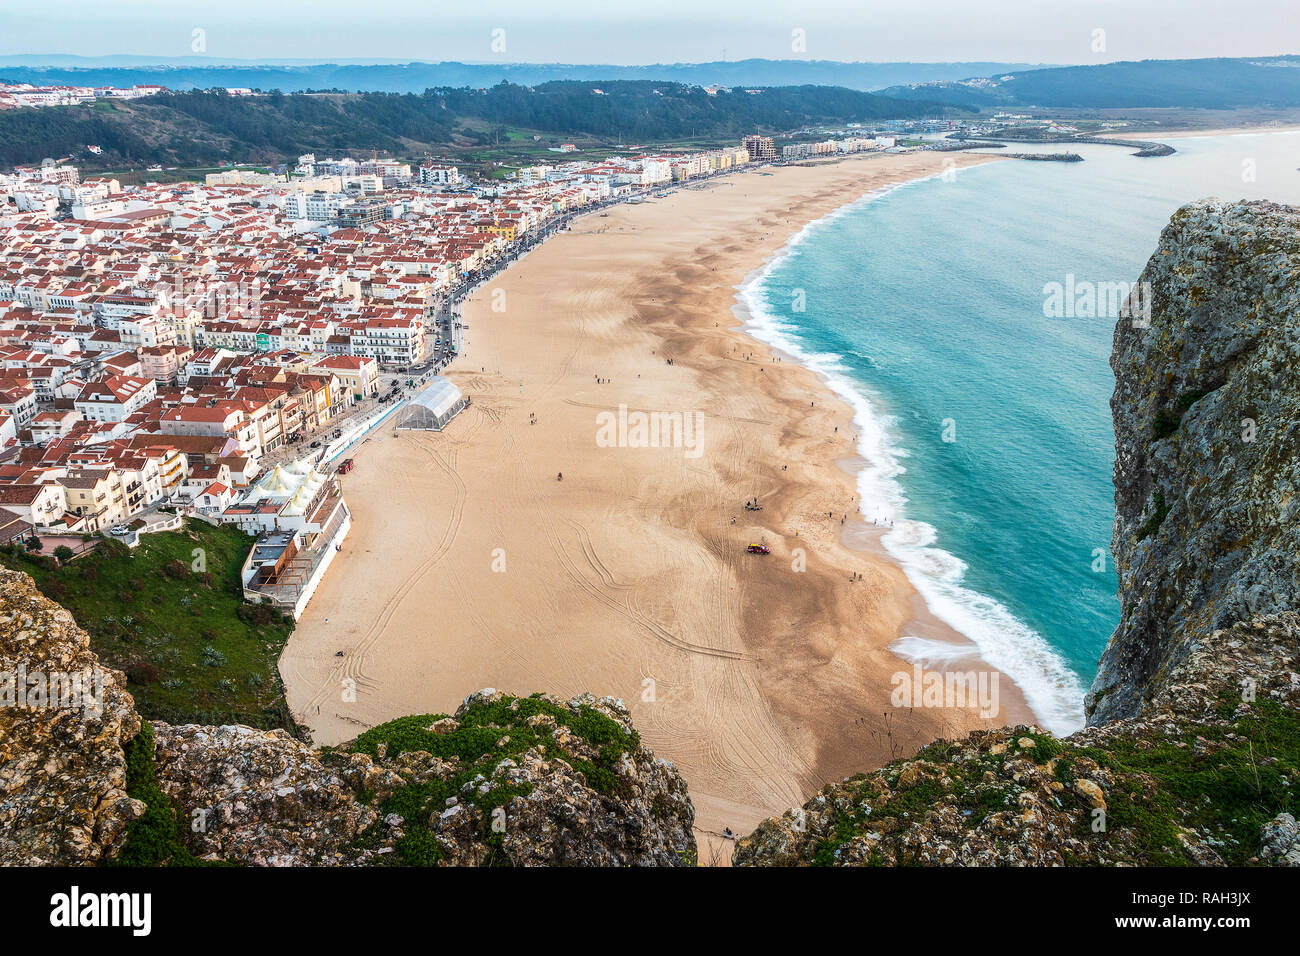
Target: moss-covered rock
column 1204, row 775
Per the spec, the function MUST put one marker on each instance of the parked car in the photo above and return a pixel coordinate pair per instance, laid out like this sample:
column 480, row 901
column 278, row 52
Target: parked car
column 119, row 529
column 315, row 444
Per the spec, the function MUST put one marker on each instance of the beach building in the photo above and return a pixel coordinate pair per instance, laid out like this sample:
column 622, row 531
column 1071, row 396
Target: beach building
column 433, row 406
column 301, row 520
column 760, row 148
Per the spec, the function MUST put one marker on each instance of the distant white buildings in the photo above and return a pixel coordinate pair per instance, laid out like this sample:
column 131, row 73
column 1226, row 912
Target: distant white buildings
column 158, row 340
column 832, row 147
column 15, row 95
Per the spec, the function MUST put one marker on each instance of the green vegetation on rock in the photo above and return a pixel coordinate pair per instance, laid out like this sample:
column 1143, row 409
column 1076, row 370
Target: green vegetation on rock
column 155, row 838
column 480, row 738
column 192, row 649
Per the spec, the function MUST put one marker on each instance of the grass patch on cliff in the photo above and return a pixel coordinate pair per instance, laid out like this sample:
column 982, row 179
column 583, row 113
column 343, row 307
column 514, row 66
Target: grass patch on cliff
column 1168, row 420
column 1160, row 511
column 1223, row 781
column 153, row 839
column 192, row 649
column 487, row 734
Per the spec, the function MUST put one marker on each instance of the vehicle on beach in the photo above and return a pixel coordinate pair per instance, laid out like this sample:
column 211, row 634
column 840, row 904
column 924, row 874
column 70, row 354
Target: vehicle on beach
column 346, row 465
column 759, row 549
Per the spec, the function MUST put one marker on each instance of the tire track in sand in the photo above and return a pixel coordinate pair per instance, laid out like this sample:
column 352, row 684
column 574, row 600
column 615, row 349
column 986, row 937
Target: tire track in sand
column 625, row 610
column 351, row 668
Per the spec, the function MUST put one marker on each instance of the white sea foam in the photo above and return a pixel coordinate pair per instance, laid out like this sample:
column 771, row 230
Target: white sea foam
column 930, row 653
column 1052, row 690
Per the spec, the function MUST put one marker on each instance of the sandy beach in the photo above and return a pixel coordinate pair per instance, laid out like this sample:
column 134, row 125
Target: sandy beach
column 470, row 565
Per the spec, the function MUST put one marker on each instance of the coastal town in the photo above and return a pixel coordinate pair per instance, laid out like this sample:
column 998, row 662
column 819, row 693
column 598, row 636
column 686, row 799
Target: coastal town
column 216, row 350
column 786, row 436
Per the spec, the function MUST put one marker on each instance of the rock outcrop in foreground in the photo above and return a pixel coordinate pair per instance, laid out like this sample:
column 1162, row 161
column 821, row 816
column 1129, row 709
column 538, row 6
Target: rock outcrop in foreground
column 63, row 792
column 504, row 781
column 1203, row 775
column 1193, row 750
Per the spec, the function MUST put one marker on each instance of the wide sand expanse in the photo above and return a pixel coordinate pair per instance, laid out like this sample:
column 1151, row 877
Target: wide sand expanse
column 470, row 565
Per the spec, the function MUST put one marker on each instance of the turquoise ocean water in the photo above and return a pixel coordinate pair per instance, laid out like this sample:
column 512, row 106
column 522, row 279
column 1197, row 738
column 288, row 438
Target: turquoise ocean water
column 924, row 307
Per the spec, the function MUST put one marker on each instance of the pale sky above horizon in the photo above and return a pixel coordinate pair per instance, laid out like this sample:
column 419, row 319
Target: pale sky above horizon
column 598, row 31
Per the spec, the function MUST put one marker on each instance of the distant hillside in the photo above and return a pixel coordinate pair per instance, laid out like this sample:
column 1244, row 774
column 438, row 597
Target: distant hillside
column 196, row 128
column 184, row 73
column 1188, row 84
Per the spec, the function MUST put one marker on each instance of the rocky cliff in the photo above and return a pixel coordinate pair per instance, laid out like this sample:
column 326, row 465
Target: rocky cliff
column 1193, row 744
column 504, row 781
column 1207, row 443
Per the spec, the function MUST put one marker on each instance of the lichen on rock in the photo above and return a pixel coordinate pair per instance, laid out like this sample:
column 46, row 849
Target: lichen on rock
column 63, row 796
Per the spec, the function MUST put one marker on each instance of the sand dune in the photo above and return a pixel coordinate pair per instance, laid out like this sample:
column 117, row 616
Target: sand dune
column 471, row 566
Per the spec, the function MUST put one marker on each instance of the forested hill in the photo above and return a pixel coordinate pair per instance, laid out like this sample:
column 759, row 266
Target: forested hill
column 199, row 127
column 1187, row 84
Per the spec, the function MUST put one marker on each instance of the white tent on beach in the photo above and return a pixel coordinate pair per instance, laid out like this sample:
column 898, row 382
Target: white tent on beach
column 433, row 406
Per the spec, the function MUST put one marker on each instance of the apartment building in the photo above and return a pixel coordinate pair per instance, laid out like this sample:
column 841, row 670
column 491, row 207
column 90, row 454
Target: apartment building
column 18, row 401
column 760, row 148
column 434, row 175
column 115, row 398
column 41, row 505
column 97, row 496
column 317, row 206
column 393, row 342
column 216, row 420
column 358, row 374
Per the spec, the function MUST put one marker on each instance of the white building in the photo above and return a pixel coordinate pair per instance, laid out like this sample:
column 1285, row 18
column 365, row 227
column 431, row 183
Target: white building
column 316, row 206
column 431, row 175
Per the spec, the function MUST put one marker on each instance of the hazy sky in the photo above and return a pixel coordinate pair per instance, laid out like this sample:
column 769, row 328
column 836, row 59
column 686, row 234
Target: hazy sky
column 610, row 31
